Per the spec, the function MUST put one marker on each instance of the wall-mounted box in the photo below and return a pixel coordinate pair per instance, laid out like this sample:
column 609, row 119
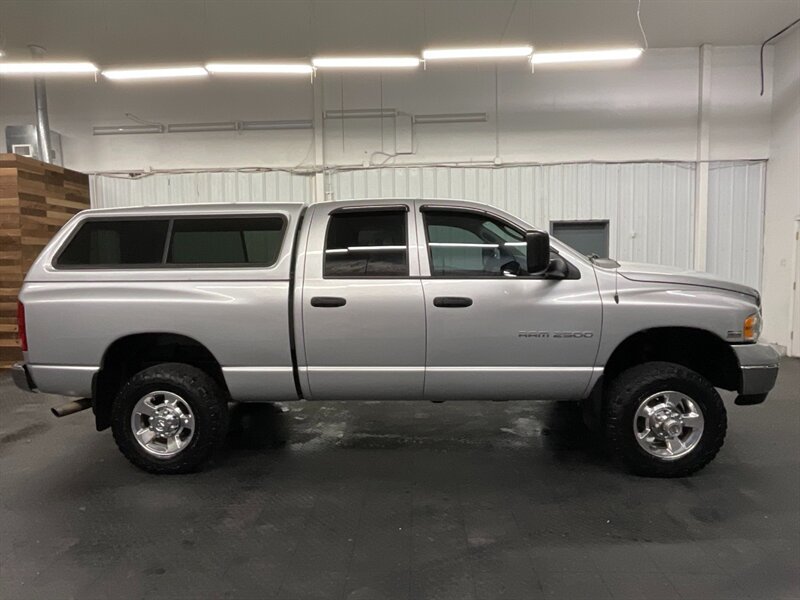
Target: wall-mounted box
column 22, row 140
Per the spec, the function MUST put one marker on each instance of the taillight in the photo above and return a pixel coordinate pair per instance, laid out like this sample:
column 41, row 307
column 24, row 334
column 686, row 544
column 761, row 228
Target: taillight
column 23, row 336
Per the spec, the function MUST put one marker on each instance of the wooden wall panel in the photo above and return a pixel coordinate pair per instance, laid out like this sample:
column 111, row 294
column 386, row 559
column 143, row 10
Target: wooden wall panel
column 36, row 199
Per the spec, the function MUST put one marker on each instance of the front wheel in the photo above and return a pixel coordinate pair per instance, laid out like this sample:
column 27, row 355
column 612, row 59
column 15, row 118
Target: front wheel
column 664, row 420
column 169, row 418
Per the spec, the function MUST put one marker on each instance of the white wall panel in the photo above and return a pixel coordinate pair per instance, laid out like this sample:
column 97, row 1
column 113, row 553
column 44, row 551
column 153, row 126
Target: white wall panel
column 204, row 187
column 736, row 220
column 642, row 110
column 649, row 205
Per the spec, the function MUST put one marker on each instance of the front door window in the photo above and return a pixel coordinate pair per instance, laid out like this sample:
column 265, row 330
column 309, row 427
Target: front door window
column 463, row 244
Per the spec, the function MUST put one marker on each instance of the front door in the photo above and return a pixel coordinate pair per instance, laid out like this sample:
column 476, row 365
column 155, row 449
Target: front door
column 362, row 307
column 495, row 332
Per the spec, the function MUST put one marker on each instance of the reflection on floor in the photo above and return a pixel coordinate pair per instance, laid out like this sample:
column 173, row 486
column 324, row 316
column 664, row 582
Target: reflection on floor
column 374, row 500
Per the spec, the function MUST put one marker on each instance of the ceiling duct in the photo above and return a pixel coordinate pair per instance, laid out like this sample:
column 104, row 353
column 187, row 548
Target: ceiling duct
column 201, row 127
column 42, row 117
column 204, row 127
column 272, row 125
column 451, row 118
column 361, row 113
column 126, row 129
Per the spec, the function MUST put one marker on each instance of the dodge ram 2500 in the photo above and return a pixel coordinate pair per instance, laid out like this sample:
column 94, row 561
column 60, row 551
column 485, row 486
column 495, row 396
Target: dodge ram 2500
column 158, row 317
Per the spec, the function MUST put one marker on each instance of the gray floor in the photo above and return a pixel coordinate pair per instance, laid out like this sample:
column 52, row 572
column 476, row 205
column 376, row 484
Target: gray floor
column 374, row 500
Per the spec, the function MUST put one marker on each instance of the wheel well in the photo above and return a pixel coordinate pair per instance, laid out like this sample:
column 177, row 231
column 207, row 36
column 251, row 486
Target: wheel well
column 696, row 349
column 133, row 353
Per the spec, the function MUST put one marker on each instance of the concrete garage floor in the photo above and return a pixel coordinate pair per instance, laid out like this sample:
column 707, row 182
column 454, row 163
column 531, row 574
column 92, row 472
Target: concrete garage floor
column 404, row 500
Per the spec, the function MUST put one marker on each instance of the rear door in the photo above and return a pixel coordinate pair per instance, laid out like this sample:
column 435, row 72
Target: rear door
column 363, row 315
column 495, row 332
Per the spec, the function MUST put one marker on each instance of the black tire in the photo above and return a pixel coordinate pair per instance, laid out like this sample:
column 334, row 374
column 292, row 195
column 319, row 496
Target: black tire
column 591, row 415
column 207, row 401
column 629, row 389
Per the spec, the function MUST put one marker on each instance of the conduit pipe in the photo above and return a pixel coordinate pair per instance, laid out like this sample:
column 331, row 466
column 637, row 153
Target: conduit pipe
column 42, row 118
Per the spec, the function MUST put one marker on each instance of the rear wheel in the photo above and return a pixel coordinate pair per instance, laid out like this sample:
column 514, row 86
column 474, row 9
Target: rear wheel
column 664, row 420
column 169, row 418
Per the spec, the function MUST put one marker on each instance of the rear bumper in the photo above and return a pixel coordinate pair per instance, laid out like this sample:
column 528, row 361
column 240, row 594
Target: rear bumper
column 22, row 378
column 758, row 370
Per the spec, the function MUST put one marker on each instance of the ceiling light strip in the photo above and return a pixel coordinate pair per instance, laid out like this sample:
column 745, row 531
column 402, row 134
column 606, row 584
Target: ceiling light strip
column 543, row 58
column 218, row 68
column 477, row 53
column 366, row 62
column 46, row 68
column 154, row 73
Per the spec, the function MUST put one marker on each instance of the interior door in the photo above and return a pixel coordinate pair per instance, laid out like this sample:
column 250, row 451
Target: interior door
column 495, row 332
column 362, row 306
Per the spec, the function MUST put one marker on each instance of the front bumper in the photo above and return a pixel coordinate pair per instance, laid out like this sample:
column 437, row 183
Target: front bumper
column 758, row 370
column 22, row 378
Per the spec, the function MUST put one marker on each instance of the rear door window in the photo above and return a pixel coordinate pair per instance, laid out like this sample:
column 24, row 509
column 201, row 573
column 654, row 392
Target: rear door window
column 118, row 243
column 367, row 244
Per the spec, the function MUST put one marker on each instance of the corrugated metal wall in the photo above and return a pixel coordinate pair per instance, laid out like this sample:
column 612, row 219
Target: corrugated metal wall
column 188, row 188
column 649, row 206
column 736, row 220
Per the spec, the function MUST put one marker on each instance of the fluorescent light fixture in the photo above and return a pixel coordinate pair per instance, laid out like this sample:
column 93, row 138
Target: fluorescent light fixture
column 46, row 68
column 361, row 113
column 369, row 62
column 259, row 69
column 451, row 118
column 197, row 127
column 543, row 58
column 272, row 125
column 155, row 73
column 477, row 53
column 126, row 129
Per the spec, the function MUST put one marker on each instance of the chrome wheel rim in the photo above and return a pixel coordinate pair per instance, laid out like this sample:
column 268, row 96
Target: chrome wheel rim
column 668, row 425
column 163, row 423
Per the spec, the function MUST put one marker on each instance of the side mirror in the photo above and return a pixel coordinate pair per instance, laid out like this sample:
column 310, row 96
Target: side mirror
column 510, row 269
column 558, row 269
column 538, row 245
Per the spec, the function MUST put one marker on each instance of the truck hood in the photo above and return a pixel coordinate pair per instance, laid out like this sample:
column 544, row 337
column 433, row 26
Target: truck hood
column 662, row 274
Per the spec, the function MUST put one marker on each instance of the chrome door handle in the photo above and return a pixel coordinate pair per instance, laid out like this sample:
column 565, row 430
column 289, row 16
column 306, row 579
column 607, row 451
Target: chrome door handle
column 452, row 302
column 327, row 301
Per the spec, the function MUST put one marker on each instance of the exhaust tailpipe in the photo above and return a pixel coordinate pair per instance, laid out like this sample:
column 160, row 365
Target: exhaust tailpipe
column 70, row 408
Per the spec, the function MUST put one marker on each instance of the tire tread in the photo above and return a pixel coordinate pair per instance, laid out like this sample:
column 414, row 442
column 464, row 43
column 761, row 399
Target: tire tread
column 211, row 404
column 626, row 390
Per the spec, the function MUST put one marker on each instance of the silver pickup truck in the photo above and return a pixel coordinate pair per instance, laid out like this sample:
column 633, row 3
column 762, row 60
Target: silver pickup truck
column 158, row 317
